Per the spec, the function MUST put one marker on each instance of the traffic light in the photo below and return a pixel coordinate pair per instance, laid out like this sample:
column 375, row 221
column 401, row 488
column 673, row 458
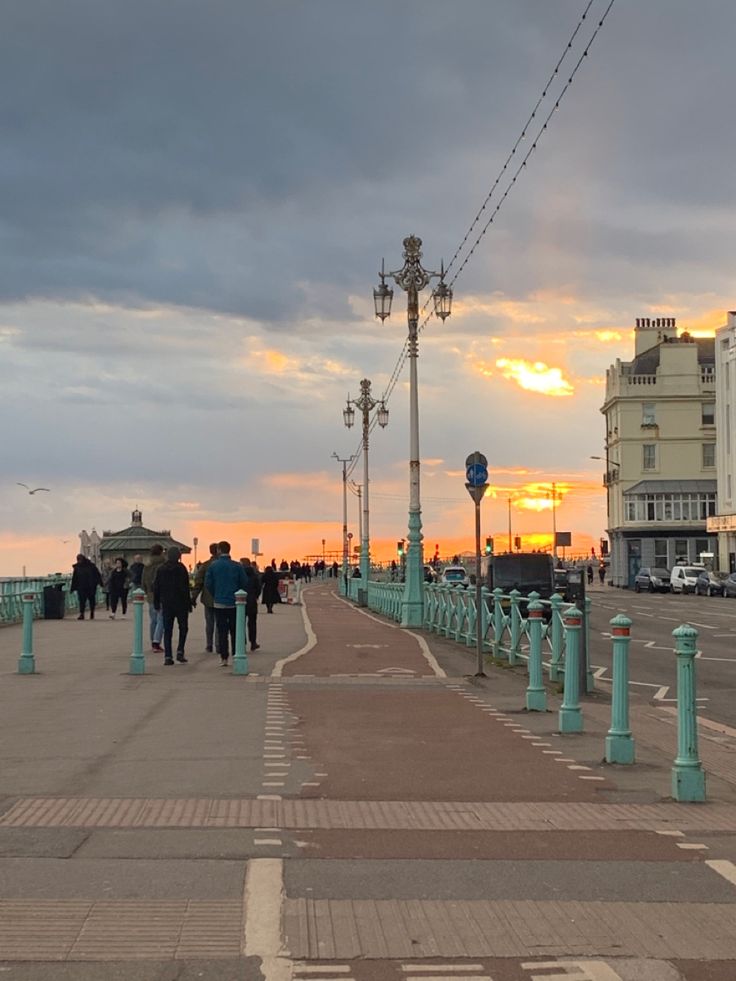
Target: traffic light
column 400, row 548
column 489, row 545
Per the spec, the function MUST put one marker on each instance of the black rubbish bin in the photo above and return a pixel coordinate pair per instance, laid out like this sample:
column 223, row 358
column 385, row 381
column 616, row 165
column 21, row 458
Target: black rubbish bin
column 53, row 602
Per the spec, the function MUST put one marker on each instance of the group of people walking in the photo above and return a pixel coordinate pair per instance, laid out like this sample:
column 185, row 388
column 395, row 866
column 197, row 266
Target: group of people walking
column 171, row 597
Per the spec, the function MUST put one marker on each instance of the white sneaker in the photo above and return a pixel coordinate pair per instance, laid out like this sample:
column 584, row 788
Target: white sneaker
column 112, row 616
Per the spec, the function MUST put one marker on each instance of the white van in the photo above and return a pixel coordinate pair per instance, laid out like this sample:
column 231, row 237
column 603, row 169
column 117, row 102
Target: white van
column 684, row 577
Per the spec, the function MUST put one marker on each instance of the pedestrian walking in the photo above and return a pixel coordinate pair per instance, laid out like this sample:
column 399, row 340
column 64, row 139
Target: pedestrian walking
column 270, row 586
column 590, row 575
column 208, row 602
column 253, row 589
column 118, row 587
column 85, row 580
column 155, row 561
column 172, row 597
column 223, row 579
column 602, row 572
column 106, row 572
column 136, row 571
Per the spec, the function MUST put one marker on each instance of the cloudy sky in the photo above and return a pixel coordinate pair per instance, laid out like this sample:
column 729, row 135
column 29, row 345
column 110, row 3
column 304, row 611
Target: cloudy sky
column 194, row 202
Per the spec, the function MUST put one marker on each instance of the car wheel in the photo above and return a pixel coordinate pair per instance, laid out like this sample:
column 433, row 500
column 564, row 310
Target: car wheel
column 637, row 587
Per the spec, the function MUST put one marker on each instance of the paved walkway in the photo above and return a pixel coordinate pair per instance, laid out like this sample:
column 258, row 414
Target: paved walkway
column 358, row 807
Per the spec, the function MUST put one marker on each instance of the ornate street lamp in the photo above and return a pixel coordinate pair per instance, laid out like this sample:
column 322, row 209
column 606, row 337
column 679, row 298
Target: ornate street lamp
column 413, row 278
column 365, row 405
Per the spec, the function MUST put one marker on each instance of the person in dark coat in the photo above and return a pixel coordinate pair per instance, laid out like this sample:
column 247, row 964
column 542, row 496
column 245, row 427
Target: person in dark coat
column 270, row 588
column 85, row 580
column 136, row 571
column 171, row 595
column 253, row 589
column 118, row 586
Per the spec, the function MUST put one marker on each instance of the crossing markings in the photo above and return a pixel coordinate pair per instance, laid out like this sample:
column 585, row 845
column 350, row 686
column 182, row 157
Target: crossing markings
column 444, row 972
column 575, row 970
column 723, row 867
column 322, row 972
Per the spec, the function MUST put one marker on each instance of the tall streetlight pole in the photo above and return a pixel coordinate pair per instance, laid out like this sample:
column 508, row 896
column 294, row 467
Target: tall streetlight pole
column 358, row 491
column 554, row 522
column 344, row 461
column 365, row 404
column 413, row 278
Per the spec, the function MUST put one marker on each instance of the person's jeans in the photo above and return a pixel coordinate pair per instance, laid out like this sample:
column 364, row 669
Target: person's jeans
column 157, row 624
column 183, row 621
column 225, row 620
column 209, row 626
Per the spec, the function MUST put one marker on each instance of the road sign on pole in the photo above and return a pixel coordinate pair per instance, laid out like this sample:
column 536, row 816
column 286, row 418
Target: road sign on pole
column 476, row 472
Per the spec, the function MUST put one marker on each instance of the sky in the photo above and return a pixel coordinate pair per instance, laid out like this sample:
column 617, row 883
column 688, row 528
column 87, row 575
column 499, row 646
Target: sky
column 194, row 203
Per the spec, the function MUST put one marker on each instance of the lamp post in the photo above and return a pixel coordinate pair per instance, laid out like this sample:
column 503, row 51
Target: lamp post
column 413, row 278
column 344, row 461
column 365, row 403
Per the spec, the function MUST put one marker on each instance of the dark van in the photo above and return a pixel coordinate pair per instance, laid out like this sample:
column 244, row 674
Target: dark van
column 529, row 572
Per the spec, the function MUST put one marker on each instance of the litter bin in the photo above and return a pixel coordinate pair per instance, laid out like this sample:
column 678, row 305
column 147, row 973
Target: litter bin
column 53, row 602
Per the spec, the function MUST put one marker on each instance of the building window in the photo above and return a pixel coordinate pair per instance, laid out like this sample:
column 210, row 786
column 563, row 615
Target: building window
column 648, row 414
column 660, row 553
column 649, row 456
column 681, row 549
column 709, row 455
column 708, row 414
column 668, row 508
column 701, row 545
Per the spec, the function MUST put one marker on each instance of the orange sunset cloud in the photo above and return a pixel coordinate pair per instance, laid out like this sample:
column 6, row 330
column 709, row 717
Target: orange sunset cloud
column 535, row 376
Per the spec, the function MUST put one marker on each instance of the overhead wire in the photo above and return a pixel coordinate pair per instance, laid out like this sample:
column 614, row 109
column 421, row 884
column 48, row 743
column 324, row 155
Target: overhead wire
column 401, row 360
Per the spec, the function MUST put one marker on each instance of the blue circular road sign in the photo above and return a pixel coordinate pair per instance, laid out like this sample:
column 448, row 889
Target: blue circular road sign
column 477, row 475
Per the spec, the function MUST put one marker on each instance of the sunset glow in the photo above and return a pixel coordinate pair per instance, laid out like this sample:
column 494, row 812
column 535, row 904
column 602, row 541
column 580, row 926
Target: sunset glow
column 535, row 376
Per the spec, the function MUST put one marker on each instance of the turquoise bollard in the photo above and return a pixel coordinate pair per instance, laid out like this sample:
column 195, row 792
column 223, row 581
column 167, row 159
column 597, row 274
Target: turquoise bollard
column 536, row 696
column 688, row 777
column 137, row 660
column 240, row 659
column 27, row 660
column 619, row 741
column 570, row 714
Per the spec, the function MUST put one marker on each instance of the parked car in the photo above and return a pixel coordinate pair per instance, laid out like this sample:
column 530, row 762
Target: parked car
column 655, row 580
column 455, row 575
column 729, row 585
column 709, row 583
column 684, row 577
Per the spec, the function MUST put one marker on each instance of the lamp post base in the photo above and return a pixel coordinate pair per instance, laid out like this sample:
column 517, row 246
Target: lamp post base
column 412, row 603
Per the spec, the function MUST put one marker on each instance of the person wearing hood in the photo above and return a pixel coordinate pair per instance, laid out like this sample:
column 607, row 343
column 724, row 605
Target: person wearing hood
column 147, row 582
column 85, row 580
column 171, row 596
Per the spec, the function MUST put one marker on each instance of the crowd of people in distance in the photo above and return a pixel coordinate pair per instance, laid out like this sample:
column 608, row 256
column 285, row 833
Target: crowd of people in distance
column 172, row 594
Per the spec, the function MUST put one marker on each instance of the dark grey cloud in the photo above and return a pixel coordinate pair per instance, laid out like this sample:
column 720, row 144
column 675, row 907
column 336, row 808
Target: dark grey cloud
column 223, row 155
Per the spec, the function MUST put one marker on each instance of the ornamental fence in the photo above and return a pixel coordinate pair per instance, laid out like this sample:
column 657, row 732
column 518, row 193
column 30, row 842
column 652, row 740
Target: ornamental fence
column 13, row 590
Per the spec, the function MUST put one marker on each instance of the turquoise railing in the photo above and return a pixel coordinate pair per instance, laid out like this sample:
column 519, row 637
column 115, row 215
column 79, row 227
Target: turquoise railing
column 13, row 590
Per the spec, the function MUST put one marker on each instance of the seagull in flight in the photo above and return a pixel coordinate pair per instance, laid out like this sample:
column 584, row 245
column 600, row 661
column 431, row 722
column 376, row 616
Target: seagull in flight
column 35, row 489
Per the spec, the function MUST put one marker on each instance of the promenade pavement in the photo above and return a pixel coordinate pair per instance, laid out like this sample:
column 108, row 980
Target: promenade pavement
column 359, row 807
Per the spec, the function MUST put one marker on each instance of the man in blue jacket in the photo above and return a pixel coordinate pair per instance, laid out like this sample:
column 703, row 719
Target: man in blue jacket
column 223, row 579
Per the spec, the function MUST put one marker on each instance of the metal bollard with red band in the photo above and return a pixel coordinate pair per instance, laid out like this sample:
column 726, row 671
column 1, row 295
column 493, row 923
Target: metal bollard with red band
column 27, row 660
column 137, row 663
column 619, row 741
column 688, row 776
column 570, row 713
column 240, row 658
column 536, row 695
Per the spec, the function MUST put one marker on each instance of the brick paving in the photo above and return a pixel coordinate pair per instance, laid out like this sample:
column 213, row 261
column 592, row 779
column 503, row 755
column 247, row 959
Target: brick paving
column 359, row 753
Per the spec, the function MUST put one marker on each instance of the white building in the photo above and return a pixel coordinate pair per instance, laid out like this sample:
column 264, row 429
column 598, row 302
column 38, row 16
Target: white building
column 724, row 524
column 660, row 450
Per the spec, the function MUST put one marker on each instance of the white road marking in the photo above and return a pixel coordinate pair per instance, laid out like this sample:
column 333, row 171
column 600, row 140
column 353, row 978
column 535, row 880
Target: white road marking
column 262, row 903
column 303, row 969
column 691, row 846
column 705, row 626
column 670, row 834
column 267, row 841
column 278, row 668
column 723, row 867
column 584, row 971
column 429, row 968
